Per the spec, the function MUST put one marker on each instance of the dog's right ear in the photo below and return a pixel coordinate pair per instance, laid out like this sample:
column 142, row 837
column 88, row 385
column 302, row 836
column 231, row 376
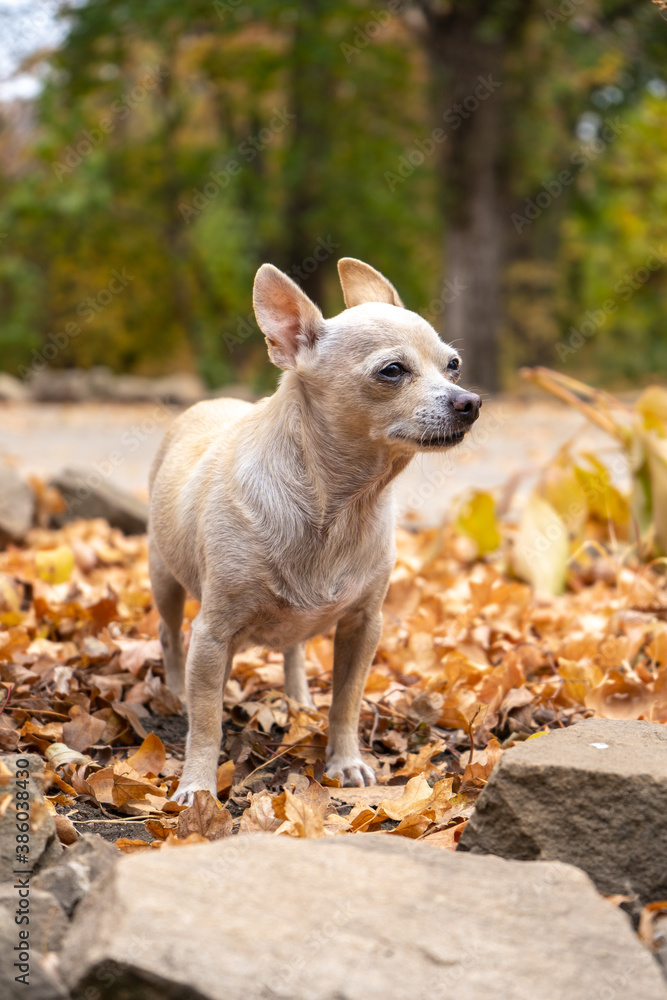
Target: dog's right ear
column 285, row 314
column 362, row 283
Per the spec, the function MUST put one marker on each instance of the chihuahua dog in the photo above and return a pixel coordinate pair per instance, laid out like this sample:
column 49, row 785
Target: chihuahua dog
column 278, row 516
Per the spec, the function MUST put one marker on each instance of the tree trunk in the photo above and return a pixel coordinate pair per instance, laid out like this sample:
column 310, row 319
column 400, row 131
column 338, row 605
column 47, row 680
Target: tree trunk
column 468, row 75
column 310, row 97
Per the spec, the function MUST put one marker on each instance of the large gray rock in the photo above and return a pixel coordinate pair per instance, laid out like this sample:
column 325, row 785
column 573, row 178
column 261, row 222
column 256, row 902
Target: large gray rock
column 17, row 506
column 88, row 494
column 43, row 842
column 60, row 385
column 350, row 917
column 39, row 961
column 74, row 385
column 180, row 389
column 77, row 869
column 593, row 795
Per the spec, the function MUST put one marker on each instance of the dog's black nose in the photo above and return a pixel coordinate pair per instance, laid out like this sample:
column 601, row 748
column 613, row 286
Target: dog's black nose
column 467, row 404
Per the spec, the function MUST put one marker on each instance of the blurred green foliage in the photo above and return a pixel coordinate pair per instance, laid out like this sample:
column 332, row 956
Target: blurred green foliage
column 175, row 147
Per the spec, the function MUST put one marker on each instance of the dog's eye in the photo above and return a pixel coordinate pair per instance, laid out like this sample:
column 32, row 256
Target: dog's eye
column 454, row 365
column 393, row 372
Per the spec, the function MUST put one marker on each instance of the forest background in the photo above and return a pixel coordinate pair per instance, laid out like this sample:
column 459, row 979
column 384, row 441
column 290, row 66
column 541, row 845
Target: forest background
column 503, row 162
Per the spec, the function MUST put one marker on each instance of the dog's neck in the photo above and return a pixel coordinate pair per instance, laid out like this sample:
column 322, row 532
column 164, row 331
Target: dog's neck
column 345, row 471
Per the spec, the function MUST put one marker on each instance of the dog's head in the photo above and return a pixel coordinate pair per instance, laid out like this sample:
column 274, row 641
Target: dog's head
column 376, row 369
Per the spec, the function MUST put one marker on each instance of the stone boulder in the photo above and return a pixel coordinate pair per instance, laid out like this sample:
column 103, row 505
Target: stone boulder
column 77, row 869
column 60, row 385
column 182, row 389
column 39, row 961
column 43, row 843
column 87, row 494
column 350, row 917
column 593, row 795
column 17, row 507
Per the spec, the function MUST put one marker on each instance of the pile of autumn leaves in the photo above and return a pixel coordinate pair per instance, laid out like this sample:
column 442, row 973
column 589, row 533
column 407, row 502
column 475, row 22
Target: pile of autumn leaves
column 467, row 651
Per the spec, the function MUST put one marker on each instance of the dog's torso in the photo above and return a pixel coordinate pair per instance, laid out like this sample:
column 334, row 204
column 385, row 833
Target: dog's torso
column 234, row 514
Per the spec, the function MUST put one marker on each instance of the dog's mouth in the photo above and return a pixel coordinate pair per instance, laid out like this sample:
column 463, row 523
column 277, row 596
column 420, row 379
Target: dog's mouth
column 434, row 440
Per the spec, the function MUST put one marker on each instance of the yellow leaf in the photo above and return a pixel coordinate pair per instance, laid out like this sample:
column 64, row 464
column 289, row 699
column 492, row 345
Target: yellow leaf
column 541, row 549
column 656, row 453
column 604, row 501
column 560, row 487
column 579, row 677
column 417, row 793
column 302, row 820
column 478, row 520
column 652, row 404
column 55, row 565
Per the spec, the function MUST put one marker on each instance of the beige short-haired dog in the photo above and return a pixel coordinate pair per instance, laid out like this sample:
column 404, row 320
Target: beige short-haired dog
column 279, row 516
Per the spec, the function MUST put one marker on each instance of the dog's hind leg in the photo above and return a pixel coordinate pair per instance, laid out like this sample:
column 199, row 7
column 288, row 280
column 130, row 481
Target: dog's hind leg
column 170, row 600
column 296, row 682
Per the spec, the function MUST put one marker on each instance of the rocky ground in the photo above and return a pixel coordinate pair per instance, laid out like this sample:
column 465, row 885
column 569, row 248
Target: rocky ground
column 367, row 915
column 513, row 847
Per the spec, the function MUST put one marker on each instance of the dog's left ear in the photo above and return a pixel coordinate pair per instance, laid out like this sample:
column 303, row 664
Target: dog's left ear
column 362, row 283
column 286, row 316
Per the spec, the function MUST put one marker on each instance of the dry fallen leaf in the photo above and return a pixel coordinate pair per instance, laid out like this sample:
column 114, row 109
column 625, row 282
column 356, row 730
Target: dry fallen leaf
column 416, row 794
column 205, row 817
column 464, row 648
column 150, row 757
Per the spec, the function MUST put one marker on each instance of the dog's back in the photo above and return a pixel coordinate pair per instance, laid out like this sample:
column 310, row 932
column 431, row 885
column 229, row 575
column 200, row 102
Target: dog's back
column 189, row 438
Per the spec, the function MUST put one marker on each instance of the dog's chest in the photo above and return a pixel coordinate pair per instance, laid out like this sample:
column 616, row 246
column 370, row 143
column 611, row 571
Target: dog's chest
column 309, row 595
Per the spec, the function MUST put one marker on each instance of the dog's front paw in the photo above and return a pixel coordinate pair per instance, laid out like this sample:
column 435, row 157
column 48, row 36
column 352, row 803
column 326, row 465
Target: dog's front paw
column 185, row 793
column 350, row 771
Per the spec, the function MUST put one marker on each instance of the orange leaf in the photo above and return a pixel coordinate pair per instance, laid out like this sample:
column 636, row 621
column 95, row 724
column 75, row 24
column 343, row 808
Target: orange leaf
column 150, row 757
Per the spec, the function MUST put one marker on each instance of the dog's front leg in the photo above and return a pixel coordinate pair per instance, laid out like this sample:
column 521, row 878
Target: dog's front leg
column 208, row 666
column 357, row 636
